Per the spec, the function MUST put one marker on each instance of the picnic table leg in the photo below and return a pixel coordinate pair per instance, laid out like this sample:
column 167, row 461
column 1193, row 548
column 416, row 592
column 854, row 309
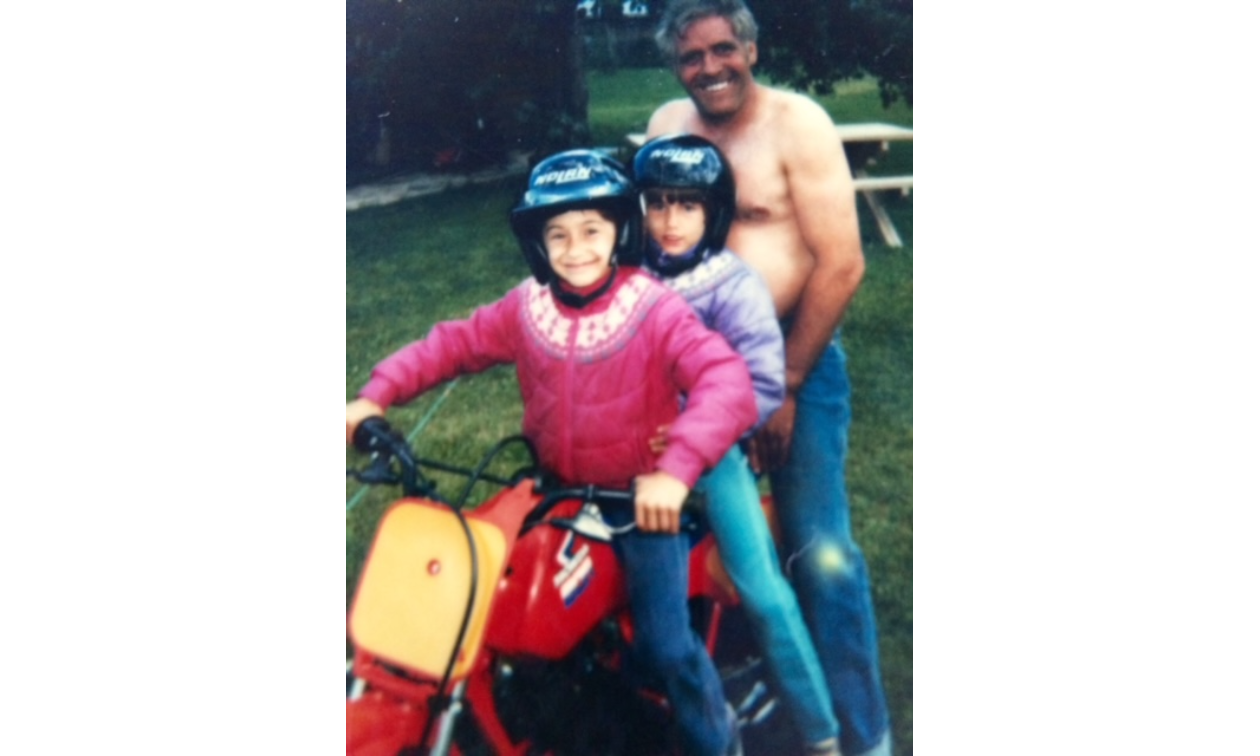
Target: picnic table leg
column 886, row 227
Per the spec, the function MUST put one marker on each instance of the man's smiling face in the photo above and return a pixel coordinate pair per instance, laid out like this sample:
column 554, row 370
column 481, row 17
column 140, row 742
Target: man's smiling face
column 715, row 67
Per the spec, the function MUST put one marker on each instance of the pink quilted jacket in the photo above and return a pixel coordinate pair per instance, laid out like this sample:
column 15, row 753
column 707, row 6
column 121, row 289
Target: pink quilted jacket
column 595, row 382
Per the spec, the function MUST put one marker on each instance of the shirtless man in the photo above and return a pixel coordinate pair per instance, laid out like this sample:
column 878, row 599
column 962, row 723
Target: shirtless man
column 796, row 224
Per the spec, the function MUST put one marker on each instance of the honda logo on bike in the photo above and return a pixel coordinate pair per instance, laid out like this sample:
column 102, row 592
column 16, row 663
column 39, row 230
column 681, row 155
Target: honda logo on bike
column 575, row 569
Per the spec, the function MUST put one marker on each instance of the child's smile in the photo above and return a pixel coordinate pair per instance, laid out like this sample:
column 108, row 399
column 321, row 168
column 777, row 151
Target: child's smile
column 580, row 246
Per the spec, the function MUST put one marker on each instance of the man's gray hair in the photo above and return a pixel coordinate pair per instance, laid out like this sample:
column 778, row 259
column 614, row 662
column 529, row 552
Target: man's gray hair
column 680, row 14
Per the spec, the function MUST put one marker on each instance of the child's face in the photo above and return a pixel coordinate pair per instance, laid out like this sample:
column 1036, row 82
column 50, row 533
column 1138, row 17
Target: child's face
column 580, row 246
column 675, row 222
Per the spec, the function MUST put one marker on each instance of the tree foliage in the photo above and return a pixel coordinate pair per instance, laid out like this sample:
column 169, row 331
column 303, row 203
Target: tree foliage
column 812, row 45
column 431, row 83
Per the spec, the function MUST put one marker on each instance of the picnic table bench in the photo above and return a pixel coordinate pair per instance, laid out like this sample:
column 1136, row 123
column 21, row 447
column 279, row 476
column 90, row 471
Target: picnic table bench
column 864, row 144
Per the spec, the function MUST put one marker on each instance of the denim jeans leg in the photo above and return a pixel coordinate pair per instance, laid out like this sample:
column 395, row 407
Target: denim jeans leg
column 823, row 562
column 747, row 549
column 665, row 646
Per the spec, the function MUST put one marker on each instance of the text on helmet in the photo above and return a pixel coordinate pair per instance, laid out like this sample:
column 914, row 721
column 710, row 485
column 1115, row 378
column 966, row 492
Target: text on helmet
column 681, row 155
column 580, row 173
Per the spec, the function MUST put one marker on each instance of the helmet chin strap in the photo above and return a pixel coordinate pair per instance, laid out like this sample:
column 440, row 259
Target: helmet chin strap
column 578, row 301
column 673, row 265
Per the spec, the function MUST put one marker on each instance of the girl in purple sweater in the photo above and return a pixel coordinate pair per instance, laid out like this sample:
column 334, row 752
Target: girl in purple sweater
column 687, row 192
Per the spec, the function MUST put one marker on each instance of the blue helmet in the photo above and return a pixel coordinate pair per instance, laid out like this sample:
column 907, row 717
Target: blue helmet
column 686, row 161
column 576, row 180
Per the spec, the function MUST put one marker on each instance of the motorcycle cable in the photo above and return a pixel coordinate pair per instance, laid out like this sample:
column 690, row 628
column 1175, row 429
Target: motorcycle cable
column 441, row 699
column 424, row 421
column 479, row 472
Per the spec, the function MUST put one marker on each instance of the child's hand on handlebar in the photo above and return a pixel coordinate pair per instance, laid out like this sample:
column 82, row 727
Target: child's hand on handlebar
column 358, row 411
column 658, row 500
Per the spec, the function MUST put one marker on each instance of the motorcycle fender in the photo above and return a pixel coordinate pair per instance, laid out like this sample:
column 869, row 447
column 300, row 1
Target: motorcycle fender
column 415, row 586
column 379, row 726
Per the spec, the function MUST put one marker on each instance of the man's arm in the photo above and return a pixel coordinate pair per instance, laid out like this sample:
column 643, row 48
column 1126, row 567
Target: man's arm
column 821, row 189
column 744, row 314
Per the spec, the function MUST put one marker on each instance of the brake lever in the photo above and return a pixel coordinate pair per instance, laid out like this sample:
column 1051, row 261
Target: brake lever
column 378, row 471
column 375, row 436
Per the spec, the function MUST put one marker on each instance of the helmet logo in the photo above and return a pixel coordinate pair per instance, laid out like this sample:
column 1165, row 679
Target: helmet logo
column 680, row 155
column 579, row 173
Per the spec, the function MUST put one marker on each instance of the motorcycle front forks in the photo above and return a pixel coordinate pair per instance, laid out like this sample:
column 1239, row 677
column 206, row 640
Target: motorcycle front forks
column 446, row 722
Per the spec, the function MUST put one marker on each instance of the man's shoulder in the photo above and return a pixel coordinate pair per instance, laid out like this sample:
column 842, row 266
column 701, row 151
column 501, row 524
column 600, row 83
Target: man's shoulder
column 801, row 130
column 671, row 117
column 796, row 110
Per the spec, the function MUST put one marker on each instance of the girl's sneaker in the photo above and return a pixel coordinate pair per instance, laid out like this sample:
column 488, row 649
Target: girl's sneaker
column 736, row 746
column 828, row 747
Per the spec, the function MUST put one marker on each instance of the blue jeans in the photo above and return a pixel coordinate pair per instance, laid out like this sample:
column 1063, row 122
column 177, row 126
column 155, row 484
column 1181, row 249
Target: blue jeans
column 747, row 550
column 665, row 647
column 823, row 562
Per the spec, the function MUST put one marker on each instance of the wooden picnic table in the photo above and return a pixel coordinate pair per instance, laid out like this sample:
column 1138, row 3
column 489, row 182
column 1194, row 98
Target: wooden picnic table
column 864, row 145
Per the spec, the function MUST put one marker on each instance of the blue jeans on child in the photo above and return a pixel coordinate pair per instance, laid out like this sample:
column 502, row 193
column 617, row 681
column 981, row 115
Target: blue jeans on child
column 747, row 549
column 823, row 562
column 665, row 647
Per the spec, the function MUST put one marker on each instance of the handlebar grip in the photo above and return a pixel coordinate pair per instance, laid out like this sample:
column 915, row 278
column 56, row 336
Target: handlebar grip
column 373, row 435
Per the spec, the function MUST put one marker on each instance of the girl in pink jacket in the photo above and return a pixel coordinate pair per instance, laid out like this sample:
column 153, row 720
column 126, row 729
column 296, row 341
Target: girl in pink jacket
column 603, row 353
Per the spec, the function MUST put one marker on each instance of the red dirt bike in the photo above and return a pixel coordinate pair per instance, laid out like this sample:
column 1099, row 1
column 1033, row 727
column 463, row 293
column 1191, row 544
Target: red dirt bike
column 504, row 629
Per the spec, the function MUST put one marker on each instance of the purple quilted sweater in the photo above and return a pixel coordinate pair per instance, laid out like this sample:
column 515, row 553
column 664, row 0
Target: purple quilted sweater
column 732, row 299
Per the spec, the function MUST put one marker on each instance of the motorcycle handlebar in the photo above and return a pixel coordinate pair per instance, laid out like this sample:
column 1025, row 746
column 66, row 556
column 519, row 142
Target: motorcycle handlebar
column 374, row 434
column 376, row 437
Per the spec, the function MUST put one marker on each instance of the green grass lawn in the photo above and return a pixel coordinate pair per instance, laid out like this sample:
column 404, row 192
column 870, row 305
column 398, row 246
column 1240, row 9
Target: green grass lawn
column 414, row 263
